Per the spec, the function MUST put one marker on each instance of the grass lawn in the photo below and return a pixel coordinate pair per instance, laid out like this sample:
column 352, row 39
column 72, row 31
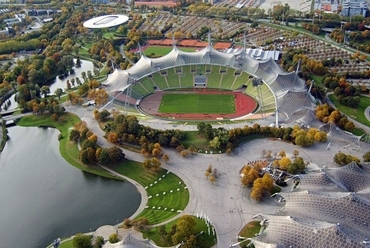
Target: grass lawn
column 167, row 192
column 197, row 103
column 3, row 141
column 192, row 138
column 249, row 231
column 163, row 50
column 203, row 240
column 357, row 114
column 67, row 149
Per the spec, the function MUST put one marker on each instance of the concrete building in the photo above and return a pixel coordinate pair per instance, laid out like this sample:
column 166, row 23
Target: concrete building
column 354, row 7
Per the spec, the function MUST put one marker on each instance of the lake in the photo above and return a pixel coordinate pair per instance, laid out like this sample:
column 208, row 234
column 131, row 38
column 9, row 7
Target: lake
column 42, row 197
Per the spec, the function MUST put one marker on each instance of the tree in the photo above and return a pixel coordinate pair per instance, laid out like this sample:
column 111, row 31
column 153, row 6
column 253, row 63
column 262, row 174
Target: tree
column 215, row 143
column 184, row 229
column 104, row 157
column 284, row 163
column 257, row 190
column 99, row 242
column 58, row 92
column 74, row 135
column 165, row 158
column 295, row 153
column 81, row 241
column 113, row 238
column 282, row 154
column 45, row 90
column 366, row 157
column 297, row 166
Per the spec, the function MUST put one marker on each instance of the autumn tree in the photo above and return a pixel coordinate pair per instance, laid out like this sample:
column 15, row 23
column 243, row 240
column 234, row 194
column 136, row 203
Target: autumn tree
column 257, row 190
column 184, row 229
column 152, row 164
column 249, row 174
column 165, row 158
column 284, row 163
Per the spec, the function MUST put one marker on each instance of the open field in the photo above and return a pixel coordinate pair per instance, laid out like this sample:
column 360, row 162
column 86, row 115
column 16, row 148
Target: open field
column 356, row 114
column 197, row 103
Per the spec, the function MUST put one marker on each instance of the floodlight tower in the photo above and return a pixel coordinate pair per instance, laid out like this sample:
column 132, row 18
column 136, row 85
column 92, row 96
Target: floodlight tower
column 131, row 82
column 257, row 82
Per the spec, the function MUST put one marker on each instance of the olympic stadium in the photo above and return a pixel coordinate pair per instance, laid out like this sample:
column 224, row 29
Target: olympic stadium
column 274, row 91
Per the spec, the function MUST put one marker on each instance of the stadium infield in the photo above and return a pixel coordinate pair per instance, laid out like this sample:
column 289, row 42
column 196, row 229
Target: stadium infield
column 243, row 105
column 189, row 103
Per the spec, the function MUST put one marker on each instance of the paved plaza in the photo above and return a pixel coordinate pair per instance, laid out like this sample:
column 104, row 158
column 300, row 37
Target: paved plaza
column 226, row 203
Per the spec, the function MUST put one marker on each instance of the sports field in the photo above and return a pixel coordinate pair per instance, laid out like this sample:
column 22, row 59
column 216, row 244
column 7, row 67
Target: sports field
column 197, row 103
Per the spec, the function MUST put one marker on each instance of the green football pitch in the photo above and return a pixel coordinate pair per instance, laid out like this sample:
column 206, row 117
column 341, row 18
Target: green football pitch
column 197, row 103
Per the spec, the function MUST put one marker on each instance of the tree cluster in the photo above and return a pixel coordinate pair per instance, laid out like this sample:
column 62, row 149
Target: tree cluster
column 326, row 114
column 344, row 159
column 307, row 138
column 181, row 233
column 260, row 186
column 90, row 152
column 140, row 224
column 128, row 130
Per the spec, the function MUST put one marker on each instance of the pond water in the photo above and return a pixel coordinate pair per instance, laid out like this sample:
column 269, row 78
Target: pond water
column 42, row 197
column 61, row 82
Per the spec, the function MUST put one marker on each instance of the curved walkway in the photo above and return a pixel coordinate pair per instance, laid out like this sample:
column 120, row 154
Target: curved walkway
column 226, row 203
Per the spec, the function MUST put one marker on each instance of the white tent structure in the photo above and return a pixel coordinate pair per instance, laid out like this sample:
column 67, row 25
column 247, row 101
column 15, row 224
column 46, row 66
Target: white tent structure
column 290, row 93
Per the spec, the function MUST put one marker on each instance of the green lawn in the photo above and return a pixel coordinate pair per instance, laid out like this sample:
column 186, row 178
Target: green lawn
column 160, row 206
column 163, row 50
column 197, row 103
column 203, row 240
column 249, row 231
column 357, row 114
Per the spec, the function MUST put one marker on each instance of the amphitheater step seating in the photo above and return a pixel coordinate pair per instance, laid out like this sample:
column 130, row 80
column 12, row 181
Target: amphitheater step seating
column 252, row 91
column 214, row 77
column 243, row 78
column 136, row 95
column 138, row 87
column 159, row 80
column 186, row 79
column 227, row 78
column 148, row 84
column 172, row 78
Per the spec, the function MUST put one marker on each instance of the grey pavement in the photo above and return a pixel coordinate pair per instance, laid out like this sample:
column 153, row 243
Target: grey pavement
column 226, row 203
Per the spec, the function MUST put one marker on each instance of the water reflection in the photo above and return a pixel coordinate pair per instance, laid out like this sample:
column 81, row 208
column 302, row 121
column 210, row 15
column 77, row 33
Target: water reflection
column 43, row 197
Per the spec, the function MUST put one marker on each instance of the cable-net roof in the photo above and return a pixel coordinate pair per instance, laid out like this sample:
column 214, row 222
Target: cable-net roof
column 281, row 83
column 288, row 231
column 309, row 120
column 352, row 177
column 268, row 69
column 292, row 102
column 348, row 210
column 337, row 134
column 318, row 182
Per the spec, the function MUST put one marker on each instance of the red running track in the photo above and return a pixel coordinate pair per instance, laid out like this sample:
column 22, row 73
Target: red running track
column 244, row 105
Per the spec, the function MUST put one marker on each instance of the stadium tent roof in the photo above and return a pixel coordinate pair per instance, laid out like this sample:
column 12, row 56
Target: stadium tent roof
column 105, row 21
column 117, row 81
column 289, row 91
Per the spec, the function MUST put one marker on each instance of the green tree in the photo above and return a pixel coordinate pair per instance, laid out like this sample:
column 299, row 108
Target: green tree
column 113, row 238
column 366, row 157
column 184, row 229
column 297, row 166
column 104, row 158
column 81, row 241
column 74, row 135
column 215, row 143
column 99, row 242
column 58, row 92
